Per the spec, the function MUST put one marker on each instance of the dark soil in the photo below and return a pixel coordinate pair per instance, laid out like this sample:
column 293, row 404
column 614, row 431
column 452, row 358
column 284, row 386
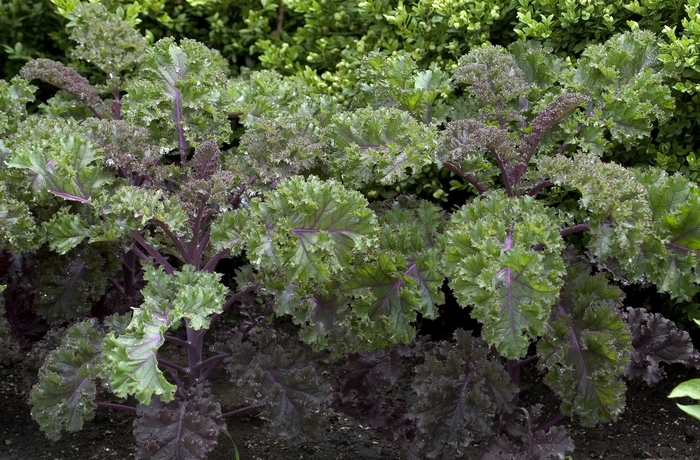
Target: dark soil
column 651, row 428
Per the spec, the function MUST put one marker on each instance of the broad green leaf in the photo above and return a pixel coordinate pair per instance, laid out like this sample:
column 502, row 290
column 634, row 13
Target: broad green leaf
column 313, row 230
column 65, row 231
column 624, row 80
column 232, row 229
column 668, row 255
column 491, row 264
column 71, row 168
column 386, row 294
column 586, row 348
column 63, row 398
column 131, row 365
column 379, row 145
column 132, row 208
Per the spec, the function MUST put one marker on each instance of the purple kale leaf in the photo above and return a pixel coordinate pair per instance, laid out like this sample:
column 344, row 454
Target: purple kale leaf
column 656, row 339
column 65, row 78
column 461, row 389
column 281, row 379
column 185, row 428
column 532, row 444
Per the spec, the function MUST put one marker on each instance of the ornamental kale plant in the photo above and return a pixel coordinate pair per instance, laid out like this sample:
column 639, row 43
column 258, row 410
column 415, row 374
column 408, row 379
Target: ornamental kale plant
column 135, row 221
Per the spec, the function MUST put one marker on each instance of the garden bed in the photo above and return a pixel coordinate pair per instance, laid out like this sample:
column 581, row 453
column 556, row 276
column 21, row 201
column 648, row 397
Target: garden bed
column 652, row 427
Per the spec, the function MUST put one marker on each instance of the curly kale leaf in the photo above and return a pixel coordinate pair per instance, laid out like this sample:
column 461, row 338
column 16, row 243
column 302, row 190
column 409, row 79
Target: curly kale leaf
column 71, row 169
column 379, row 145
column 620, row 216
column 494, row 81
column 272, row 150
column 18, row 231
column 586, row 348
column 63, row 398
column 464, row 143
column 491, row 265
column 668, row 255
column 655, row 340
column 14, row 96
column 403, row 278
column 267, row 94
column 185, row 428
column 177, row 94
column 280, row 376
column 94, row 28
column 461, row 388
column 306, row 229
column 624, row 81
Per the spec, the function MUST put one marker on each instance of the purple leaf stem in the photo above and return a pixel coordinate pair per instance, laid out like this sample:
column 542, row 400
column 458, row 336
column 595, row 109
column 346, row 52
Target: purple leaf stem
column 194, row 352
column 152, row 251
column 551, row 423
column 679, row 247
column 537, row 188
column 238, row 295
column 172, row 365
column 211, row 263
column 574, row 229
column 194, row 244
column 212, row 364
column 240, row 191
column 116, row 284
column 129, row 272
column 120, row 407
column 176, row 341
column 180, row 130
column 176, row 241
column 504, row 173
column 202, row 245
column 176, row 378
column 240, row 411
column 468, row 177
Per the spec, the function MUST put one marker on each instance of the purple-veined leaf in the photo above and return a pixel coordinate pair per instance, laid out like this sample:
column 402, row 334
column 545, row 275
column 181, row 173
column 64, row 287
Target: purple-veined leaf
column 312, row 229
column 655, row 339
column 279, row 375
column 668, row 256
column 534, row 444
column 71, row 170
column 131, row 364
column 185, row 428
column 587, row 348
column 491, row 265
column 389, row 296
